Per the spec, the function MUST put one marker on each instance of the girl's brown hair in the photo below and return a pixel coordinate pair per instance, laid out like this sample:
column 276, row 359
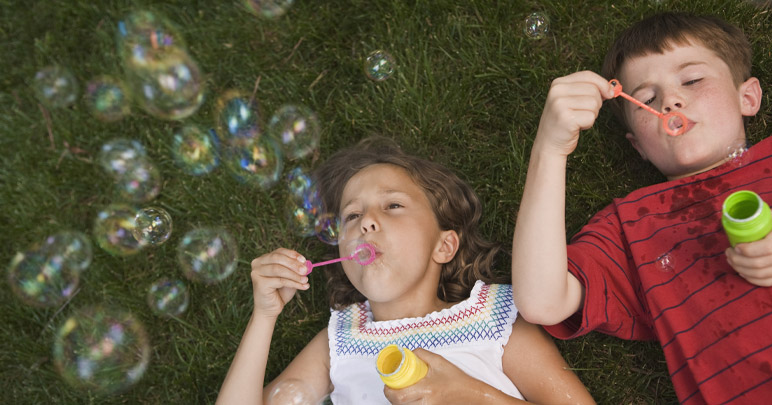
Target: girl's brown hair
column 454, row 203
column 658, row 33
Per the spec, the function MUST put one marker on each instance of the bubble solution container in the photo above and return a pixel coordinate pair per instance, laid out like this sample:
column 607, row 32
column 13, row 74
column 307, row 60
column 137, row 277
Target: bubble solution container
column 746, row 217
column 399, row 367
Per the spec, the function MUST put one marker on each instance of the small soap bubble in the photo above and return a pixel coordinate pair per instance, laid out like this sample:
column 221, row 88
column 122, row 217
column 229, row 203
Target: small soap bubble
column 537, row 25
column 168, row 297
column 736, row 153
column 298, row 182
column 207, row 254
column 118, row 156
column 42, row 280
column 141, row 183
column 73, row 247
column 666, row 262
column 327, row 228
column 107, row 99
column 195, row 150
column 296, row 129
column 55, row 86
column 304, row 207
column 268, row 8
column 169, row 87
column 153, row 226
column 257, row 162
column 379, row 65
column 237, row 116
column 290, row 392
column 114, row 230
column 104, row 350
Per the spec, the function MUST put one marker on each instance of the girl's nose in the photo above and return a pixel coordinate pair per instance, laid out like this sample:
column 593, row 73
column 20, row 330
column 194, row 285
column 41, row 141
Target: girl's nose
column 369, row 223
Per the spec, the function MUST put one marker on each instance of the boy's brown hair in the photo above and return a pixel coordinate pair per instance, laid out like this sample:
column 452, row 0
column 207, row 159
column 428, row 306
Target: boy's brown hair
column 660, row 32
column 455, row 205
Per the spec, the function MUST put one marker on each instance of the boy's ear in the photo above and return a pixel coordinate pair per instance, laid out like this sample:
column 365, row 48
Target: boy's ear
column 634, row 141
column 446, row 247
column 750, row 97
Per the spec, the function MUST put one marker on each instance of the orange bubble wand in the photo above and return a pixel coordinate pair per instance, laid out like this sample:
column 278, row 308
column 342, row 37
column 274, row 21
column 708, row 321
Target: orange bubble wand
column 674, row 123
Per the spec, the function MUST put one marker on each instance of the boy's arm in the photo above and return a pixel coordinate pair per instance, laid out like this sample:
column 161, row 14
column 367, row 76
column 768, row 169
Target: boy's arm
column 544, row 291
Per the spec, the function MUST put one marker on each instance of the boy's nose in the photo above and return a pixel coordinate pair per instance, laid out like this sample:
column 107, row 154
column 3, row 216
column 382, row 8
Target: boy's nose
column 672, row 106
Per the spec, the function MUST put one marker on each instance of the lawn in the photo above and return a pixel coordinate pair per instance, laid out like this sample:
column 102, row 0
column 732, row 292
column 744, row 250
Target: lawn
column 468, row 93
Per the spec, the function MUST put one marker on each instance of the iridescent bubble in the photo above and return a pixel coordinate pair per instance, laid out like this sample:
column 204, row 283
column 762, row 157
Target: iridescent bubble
column 74, row 248
column 379, row 65
column 207, row 254
column 153, row 226
column 104, row 350
column 55, row 86
column 268, row 8
column 118, row 156
column 141, row 183
column 327, row 228
column 42, row 280
column 254, row 161
column 290, row 392
column 296, row 129
column 304, row 211
column 107, row 99
column 147, row 29
column 114, row 230
column 537, row 25
column 736, row 155
column 168, row 297
column 665, row 263
column 237, row 117
column 169, row 87
column 298, row 182
column 195, row 150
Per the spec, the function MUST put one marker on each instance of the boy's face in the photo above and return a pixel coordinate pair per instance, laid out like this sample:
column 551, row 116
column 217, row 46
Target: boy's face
column 693, row 80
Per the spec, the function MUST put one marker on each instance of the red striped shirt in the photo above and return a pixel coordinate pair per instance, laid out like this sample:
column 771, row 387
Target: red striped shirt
column 653, row 267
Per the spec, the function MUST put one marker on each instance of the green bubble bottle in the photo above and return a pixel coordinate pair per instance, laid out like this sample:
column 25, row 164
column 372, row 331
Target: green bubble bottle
column 746, row 217
column 399, row 367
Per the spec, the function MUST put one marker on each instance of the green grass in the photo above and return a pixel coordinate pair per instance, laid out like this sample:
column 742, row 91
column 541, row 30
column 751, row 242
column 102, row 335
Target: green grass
column 468, row 93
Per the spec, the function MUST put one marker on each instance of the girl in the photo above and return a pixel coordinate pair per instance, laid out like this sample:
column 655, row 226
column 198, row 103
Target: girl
column 429, row 289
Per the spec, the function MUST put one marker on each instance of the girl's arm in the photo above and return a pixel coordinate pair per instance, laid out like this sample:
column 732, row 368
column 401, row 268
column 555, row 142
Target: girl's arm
column 532, row 361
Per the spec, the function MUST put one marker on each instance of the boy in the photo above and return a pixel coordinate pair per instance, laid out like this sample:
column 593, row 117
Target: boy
column 656, row 263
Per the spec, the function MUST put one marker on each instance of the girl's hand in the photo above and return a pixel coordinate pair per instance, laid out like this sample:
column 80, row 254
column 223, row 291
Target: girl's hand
column 753, row 261
column 572, row 105
column 275, row 278
column 445, row 384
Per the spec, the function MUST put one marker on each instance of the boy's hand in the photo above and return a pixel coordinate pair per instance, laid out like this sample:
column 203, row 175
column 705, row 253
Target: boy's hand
column 275, row 278
column 753, row 261
column 572, row 105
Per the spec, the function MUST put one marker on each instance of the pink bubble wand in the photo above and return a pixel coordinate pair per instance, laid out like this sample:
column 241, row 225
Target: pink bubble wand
column 364, row 254
column 674, row 123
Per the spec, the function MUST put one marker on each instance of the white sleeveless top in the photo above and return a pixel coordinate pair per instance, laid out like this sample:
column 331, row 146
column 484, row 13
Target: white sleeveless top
column 470, row 334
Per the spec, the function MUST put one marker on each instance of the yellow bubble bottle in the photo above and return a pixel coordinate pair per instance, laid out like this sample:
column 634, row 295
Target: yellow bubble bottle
column 399, row 367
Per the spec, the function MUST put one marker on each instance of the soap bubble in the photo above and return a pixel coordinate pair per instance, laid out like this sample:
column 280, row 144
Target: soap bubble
column 536, row 25
column 74, row 248
column 304, row 211
column 207, row 254
column 141, row 183
column 114, row 230
column 290, row 392
column 153, row 226
column 42, row 280
column 107, row 99
column 118, row 156
column 254, row 161
column 55, row 86
column 147, row 29
column 102, row 350
column 168, row 297
column 268, row 8
column 296, row 129
column 169, row 87
column 327, row 228
column 736, row 153
column 379, row 65
column 298, row 182
column 195, row 150
column 237, row 117
column 666, row 263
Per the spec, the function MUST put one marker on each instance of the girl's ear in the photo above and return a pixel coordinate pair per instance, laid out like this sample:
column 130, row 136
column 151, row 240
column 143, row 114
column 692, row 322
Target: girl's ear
column 447, row 246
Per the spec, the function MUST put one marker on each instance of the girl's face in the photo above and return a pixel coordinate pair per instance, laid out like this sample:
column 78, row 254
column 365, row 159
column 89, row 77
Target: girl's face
column 383, row 206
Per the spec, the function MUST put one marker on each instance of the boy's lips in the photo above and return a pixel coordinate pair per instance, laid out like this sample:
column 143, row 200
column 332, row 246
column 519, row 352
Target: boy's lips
column 688, row 126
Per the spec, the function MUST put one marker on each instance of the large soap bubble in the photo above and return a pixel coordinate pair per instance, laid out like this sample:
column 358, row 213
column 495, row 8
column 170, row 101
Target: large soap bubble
column 114, row 229
column 296, row 129
column 168, row 297
column 256, row 162
column 107, row 98
column 74, row 248
column 55, row 86
column 195, row 150
column 207, row 254
column 237, row 117
column 42, row 280
column 104, row 350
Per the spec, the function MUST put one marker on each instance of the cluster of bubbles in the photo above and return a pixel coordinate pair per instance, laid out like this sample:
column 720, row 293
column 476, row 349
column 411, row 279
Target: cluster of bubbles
column 379, row 65
column 536, row 25
column 306, row 213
